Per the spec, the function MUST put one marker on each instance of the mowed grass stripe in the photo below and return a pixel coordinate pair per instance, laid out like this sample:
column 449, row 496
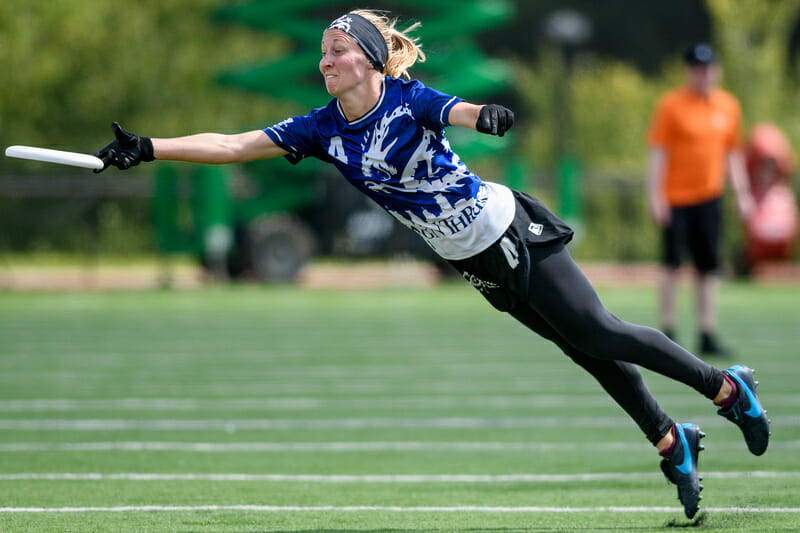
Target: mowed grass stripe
column 345, row 447
column 382, row 478
column 274, row 424
column 185, row 353
column 388, row 508
column 292, row 404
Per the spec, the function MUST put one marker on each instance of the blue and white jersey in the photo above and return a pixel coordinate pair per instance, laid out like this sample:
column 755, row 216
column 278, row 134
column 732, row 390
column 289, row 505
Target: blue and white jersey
column 397, row 155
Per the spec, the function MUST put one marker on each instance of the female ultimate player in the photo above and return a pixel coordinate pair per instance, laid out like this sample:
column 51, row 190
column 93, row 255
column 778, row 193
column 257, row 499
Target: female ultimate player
column 386, row 136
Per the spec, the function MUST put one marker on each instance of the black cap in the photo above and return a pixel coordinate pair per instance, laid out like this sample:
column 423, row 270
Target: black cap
column 699, row 54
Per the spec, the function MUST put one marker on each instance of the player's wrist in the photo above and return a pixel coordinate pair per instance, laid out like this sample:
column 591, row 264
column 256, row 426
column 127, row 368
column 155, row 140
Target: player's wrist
column 146, row 148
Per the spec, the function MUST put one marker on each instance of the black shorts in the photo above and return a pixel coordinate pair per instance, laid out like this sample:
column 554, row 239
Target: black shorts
column 697, row 228
column 502, row 272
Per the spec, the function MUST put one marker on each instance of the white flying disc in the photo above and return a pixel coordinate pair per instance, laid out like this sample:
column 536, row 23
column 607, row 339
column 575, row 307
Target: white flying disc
column 47, row 155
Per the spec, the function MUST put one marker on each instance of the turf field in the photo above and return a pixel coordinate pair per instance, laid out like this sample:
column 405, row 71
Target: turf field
column 278, row 409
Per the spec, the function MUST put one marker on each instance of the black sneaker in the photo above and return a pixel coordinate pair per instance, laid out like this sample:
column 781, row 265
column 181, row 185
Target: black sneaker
column 681, row 467
column 746, row 411
column 709, row 345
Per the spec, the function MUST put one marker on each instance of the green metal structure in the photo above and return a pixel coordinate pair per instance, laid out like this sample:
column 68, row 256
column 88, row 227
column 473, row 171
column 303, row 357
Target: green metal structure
column 260, row 232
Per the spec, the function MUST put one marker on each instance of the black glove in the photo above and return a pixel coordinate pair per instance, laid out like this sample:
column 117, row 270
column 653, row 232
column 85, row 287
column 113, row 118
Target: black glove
column 126, row 150
column 494, row 119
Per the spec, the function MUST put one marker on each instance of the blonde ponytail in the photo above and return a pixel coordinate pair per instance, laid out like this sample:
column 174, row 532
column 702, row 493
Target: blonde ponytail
column 404, row 50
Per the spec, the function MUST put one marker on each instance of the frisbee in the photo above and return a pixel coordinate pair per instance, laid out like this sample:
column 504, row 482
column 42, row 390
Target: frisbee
column 60, row 157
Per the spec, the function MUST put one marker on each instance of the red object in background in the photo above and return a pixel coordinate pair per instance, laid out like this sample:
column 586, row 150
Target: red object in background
column 772, row 229
column 767, row 142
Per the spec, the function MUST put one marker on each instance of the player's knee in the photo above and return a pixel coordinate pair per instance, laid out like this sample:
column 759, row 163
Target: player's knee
column 598, row 336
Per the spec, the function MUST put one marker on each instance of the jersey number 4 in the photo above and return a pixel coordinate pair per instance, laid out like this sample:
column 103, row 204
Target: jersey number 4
column 336, row 149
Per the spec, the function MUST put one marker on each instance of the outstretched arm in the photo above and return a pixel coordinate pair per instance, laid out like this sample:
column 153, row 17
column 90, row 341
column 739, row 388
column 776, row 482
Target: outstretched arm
column 217, row 148
column 128, row 150
column 493, row 119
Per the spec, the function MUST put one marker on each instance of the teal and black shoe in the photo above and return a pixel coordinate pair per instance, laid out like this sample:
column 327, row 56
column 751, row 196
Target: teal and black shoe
column 681, row 467
column 746, row 411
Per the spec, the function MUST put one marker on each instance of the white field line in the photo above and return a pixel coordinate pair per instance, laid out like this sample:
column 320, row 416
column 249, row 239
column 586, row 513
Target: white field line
column 275, row 424
column 343, row 447
column 388, row 508
column 352, row 403
column 382, row 478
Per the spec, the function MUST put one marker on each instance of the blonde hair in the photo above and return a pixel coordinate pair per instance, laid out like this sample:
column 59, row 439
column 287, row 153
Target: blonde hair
column 404, row 50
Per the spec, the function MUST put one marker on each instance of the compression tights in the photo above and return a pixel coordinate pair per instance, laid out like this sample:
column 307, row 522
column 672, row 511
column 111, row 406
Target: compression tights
column 562, row 306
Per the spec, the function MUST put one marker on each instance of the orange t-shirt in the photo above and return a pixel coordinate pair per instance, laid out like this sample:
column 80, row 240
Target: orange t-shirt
column 696, row 134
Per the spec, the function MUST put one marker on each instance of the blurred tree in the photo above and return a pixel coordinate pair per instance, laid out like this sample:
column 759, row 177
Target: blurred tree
column 612, row 101
column 754, row 38
column 71, row 67
column 640, row 33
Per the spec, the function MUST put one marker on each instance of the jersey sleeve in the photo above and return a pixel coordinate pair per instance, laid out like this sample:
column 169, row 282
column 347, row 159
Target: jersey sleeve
column 431, row 107
column 296, row 136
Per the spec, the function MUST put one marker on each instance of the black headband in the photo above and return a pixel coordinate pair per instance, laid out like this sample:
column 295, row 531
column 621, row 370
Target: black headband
column 367, row 35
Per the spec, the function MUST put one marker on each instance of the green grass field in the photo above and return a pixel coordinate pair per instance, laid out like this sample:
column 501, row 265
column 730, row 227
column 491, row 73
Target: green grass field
column 278, row 409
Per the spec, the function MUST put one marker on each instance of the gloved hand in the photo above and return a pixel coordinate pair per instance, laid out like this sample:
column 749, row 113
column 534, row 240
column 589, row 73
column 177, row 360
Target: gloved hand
column 494, row 119
column 126, row 150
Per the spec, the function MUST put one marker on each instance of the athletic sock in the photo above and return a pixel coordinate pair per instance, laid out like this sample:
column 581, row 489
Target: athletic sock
column 667, row 452
column 728, row 402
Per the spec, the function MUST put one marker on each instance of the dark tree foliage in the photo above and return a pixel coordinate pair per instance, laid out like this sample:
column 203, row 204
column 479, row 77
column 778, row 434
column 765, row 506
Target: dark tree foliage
column 642, row 33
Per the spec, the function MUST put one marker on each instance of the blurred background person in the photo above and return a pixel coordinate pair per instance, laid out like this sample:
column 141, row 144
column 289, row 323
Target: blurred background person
column 772, row 229
column 695, row 140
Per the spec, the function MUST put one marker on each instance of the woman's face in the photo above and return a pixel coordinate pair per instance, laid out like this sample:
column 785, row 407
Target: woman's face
column 343, row 64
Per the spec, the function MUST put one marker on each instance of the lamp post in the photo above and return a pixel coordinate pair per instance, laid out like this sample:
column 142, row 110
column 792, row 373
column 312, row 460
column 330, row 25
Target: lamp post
column 568, row 29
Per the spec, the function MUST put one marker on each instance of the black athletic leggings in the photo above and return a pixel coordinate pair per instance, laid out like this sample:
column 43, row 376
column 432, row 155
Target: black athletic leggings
column 561, row 305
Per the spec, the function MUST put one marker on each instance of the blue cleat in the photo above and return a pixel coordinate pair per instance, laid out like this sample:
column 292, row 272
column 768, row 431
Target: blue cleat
column 746, row 411
column 681, row 467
